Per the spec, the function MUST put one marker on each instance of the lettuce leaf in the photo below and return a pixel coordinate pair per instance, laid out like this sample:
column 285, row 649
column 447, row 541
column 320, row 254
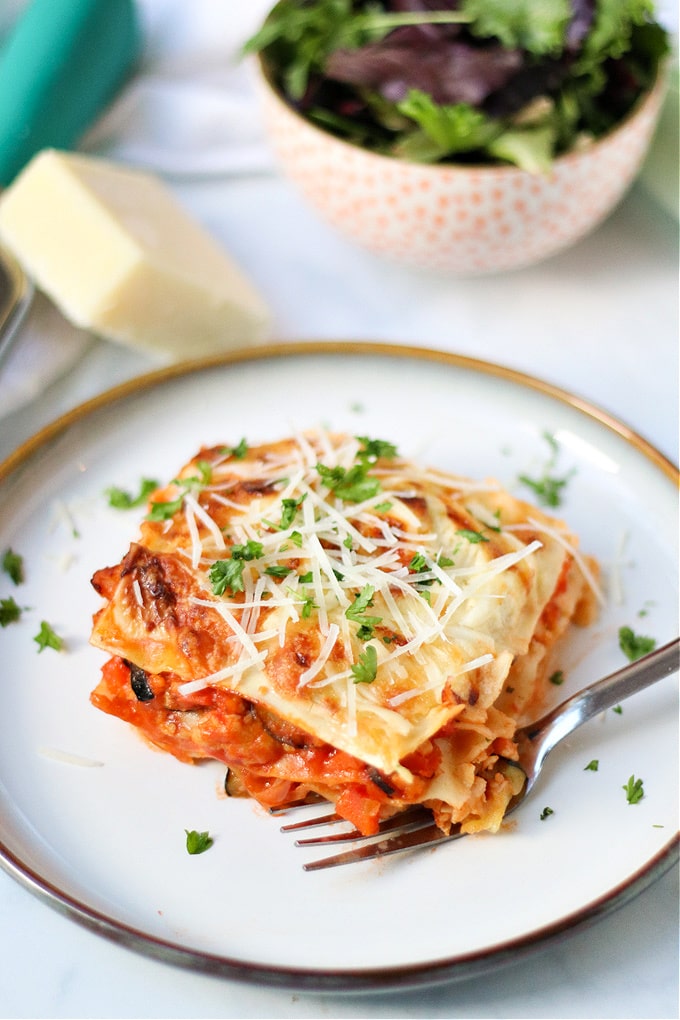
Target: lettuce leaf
column 536, row 26
column 435, row 80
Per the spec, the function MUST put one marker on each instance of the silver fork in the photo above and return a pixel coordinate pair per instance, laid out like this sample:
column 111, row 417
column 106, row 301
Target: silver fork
column 414, row 828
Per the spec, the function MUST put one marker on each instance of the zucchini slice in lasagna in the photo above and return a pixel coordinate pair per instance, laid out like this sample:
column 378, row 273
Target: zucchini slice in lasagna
column 324, row 616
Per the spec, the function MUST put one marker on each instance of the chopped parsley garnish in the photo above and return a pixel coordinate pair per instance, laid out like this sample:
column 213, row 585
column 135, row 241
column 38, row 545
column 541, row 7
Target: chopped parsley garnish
column 557, row 677
column 634, row 646
column 205, row 469
column 548, row 488
column 307, row 607
column 373, row 449
column 357, row 613
column 546, row 812
column 383, row 508
column 474, row 537
column 366, row 669
column 354, row 485
column 593, row 765
column 47, row 638
column 418, row 563
column 163, row 511
column 290, row 509
column 239, row 452
column 617, row 709
column 121, row 499
column 198, row 842
column 250, row 550
column 13, row 566
column 634, row 790
column 277, row 570
column 10, row 611
column 225, row 574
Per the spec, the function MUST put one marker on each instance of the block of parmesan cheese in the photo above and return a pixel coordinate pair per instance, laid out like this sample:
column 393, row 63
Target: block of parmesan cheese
column 118, row 256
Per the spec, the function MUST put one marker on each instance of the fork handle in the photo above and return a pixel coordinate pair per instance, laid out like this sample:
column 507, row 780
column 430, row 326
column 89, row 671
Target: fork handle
column 602, row 695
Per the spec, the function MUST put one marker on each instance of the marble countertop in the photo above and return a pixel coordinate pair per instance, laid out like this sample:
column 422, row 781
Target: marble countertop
column 600, row 320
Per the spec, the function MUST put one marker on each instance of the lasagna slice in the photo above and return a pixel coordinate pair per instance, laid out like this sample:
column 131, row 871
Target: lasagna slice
column 322, row 615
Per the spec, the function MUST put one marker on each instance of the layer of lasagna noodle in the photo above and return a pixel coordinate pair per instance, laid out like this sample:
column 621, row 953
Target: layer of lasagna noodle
column 323, row 616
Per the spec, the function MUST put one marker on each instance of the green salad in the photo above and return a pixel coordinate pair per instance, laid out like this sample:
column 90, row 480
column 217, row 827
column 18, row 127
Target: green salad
column 465, row 81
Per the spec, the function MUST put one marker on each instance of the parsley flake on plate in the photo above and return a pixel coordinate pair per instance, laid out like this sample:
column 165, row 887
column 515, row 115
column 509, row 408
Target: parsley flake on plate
column 198, row 842
column 10, row 611
column 366, row 669
column 13, row 566
column 634, row 790
column 121, row 499
column 48, row 638
column 634, row 646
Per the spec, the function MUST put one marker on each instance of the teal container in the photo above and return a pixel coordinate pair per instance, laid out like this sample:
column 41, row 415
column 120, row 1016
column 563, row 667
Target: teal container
column 60, row 66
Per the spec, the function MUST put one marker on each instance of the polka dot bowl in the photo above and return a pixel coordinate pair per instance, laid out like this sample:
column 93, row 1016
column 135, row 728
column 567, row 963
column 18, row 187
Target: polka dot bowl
column 460, row 220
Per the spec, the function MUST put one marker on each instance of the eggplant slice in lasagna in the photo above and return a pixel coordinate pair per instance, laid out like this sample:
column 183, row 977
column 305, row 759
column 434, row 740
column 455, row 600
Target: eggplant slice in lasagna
column 324, row 616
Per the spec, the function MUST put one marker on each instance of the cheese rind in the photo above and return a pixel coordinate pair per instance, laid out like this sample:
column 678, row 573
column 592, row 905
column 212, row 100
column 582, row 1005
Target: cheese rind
column 117, row 254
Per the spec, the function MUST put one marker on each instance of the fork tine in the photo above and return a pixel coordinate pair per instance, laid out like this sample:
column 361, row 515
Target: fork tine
column 295, row 805
column 415, row 838
column 412, row 817
column 310, row 823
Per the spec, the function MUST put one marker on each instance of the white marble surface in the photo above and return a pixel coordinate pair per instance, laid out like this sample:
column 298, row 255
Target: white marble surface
column 600, row 320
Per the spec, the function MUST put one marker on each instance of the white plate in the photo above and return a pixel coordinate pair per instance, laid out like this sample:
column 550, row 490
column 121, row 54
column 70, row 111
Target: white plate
column 106, row 843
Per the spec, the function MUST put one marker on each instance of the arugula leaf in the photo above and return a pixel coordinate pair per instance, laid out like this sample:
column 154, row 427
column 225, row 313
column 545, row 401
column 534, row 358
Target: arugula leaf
column 366, row 669
column 198, row 842
column 634, row 646
column 13, row 566
column 47, row 638
column 121, row 499
column 10, row 611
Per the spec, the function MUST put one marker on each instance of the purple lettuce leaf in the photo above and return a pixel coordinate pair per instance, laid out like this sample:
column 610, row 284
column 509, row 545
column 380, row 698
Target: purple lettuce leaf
column 450, row 70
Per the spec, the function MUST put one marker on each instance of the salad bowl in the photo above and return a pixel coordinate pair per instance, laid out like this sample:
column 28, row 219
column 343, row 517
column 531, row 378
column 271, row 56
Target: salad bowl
column 499, row 206
column 454, row 218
